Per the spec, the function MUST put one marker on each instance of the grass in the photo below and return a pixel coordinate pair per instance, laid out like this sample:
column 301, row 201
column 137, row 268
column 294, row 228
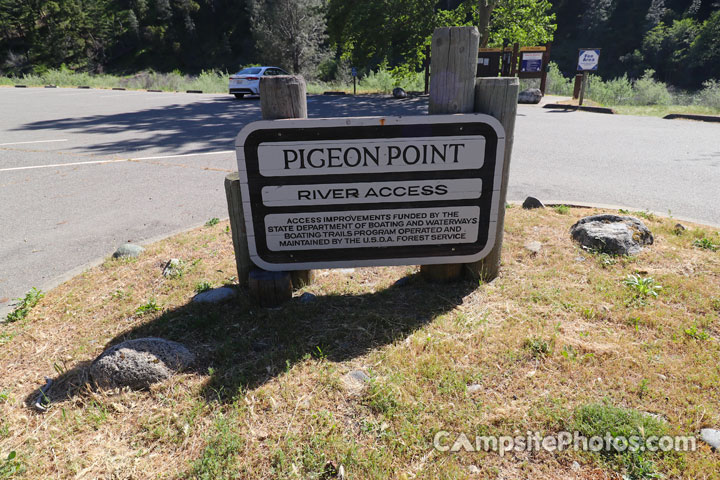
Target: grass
column 24, row 305
column 553, row 344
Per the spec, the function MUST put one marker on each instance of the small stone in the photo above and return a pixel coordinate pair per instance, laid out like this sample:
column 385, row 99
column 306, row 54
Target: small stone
column 359, row 376
column 345, row 271
column 475, row 387
column 402, row 282
column 172, row 268
column 661, row 376
column 473, row 469
column 533, row 247
column 128, row 250
column 399, row 93
column 139, row 363
column 307, row 297
column 679, row 228
column 711, row 436
column 216, row 295
column 575, row 466
column 355, row 381
column 532, row 202
column 531, row 95
column 612, row 234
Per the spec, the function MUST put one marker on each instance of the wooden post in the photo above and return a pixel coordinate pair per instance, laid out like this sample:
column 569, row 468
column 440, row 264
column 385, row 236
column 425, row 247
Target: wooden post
column 582, row 88
column 497, row 97
column 452, row 90
column 515, row 57
column 545, row 66
column 237, row 227
column 577, row 86
column 280, row 97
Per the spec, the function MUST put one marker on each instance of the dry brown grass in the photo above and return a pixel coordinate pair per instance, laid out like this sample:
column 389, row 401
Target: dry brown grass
column 269, row 397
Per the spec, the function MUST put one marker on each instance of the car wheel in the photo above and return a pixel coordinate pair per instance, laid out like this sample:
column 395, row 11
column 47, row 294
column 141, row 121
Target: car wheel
column 239, row 96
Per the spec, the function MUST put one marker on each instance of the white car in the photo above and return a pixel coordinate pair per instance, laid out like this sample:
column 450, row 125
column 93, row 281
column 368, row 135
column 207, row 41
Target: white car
column 247, row 80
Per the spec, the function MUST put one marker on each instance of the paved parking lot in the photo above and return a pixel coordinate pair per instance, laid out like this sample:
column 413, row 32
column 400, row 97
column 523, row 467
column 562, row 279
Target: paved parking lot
column 82, row 171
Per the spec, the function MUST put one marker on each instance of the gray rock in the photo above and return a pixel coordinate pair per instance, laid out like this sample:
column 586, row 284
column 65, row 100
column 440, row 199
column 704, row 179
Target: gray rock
column 679, row 228
column 359, row 376
column 399, row 93
column 355, row 381
column 575, row 466
column 711, row 437
column 473, row 469
column 216, row 295
column 533, row 247
column 173, row 268
column 128, row 250
column 307, row 297
column 532, row 202
column 613, row 234
column 474, row 388
column 401, row 282
column 531, row 95
column 139, row 363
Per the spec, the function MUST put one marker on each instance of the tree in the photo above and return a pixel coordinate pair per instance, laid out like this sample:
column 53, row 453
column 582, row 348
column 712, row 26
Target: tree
column 289, row 33
column 527, row 22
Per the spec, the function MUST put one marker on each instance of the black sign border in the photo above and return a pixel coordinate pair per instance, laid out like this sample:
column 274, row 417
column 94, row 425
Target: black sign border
column 256, row 181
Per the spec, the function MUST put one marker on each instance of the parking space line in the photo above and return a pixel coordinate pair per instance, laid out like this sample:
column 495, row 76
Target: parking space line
column 100, row 162
column 33, row 141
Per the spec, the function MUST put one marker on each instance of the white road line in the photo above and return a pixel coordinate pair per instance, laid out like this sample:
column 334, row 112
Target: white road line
column 184, row 155
column 98, row 162
column 62, row 165
column 34, row 141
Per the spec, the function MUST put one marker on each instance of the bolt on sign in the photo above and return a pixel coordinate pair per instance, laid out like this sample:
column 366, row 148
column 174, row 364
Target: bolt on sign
column 370, row 191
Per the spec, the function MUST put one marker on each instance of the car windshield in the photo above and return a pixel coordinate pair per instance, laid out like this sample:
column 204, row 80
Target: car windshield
column 249, row 71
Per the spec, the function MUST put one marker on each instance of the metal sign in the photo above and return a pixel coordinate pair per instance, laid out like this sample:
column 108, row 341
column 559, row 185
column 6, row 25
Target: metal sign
column 531, row 62
column 354, row 71
column 370, row 191
column 588, row 59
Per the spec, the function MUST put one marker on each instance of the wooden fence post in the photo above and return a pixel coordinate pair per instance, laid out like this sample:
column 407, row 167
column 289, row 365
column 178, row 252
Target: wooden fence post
column 237, row 227
column 280, row 97
column 497, row 97
column 452, row 90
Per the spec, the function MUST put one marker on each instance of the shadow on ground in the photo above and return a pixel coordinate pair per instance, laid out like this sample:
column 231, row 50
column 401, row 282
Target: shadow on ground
column 211, row 123
column 242, row 346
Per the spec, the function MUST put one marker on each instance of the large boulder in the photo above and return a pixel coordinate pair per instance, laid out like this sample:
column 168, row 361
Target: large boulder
column 613, row 234
column 531, row 95
column 139, row 363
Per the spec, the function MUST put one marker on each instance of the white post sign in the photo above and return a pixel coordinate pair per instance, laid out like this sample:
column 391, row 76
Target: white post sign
column 588, row 59
column 370, row 191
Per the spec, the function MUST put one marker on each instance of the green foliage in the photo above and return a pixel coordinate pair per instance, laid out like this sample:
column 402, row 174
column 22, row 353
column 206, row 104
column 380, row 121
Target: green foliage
column 24, row 305
column 706, row 244
column 219, row 457
column 212, row 222
column 600, row 420
column 538, row 347
column 527, row 22
column 557, row 84
column 561, row 209
column 203, row 286
column 642, row 287
column 696, row 333
column 10, row 466
column 149, row 307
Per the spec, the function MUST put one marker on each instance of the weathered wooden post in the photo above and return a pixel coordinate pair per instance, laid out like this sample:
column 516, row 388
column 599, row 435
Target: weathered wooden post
column 237, row 227
column 280, row 97
column 452, row 90
column 497, row 96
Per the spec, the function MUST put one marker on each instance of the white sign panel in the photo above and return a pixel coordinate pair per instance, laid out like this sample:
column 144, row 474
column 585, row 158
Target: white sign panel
column 588, row 59
column 370, row 191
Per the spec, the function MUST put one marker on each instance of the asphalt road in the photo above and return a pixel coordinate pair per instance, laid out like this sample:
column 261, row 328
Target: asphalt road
column 82, row 171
